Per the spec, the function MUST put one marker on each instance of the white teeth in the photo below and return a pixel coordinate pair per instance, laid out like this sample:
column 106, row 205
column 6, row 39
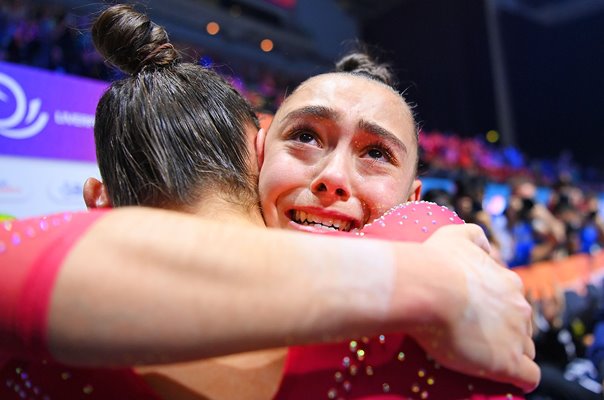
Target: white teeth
column 341, row 225
column 326, row 223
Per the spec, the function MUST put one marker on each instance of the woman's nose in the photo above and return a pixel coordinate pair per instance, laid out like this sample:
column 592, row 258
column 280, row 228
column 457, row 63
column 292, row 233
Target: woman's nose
column 333, row 180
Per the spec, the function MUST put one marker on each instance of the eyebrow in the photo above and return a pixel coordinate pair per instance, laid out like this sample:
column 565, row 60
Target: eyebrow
column 320, row 112
column 375, row 129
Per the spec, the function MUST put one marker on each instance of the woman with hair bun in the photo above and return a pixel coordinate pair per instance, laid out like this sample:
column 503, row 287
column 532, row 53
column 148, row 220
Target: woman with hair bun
column 157, row 286
column 170, row 131
column 348, row 141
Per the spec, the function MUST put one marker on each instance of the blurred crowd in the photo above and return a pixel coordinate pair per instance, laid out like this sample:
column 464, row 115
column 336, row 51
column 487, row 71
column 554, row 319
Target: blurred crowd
column 53, row 37
column 449, row 155
column 50, row 37
column 529, row 229
column 569, row 326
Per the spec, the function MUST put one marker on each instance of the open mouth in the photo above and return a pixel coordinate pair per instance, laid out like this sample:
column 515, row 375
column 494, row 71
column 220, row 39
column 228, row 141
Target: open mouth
column 327, row 223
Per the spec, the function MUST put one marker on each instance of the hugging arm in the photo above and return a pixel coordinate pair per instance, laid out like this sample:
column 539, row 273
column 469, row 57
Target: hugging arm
column 149, row 286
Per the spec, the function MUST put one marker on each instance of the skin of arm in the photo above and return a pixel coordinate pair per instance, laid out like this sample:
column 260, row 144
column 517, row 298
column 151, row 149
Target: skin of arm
column 137, row 290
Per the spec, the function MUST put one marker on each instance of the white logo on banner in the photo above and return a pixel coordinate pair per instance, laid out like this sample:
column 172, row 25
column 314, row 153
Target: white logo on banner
column 24, row 113
column 67, row 192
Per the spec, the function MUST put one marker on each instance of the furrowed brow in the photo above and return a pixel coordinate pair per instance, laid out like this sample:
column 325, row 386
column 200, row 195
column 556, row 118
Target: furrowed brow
column 319, row 112
column 375, row 129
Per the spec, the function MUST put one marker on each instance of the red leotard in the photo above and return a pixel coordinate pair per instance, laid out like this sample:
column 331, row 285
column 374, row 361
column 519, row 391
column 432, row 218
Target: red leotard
column 31, row 254
column 391, row 366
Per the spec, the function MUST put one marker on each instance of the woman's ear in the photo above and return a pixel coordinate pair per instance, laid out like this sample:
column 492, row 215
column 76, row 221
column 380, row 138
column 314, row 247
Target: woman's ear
column 260, row 139
column 95, row 194
column 416, row 190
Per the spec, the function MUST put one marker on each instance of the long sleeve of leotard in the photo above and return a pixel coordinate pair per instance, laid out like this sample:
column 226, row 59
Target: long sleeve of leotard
column 32, row 252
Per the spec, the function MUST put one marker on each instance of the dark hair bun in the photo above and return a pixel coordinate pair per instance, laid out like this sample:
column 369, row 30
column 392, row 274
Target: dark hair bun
column 129, row 40
column 363, row 64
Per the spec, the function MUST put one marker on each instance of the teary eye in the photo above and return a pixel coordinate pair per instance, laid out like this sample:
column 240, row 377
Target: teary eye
column 305, row 137
column 379, row 152
column 375, row 153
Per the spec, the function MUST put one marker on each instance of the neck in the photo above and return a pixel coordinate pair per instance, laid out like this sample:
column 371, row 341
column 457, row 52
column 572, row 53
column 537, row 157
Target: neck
column 219, row 207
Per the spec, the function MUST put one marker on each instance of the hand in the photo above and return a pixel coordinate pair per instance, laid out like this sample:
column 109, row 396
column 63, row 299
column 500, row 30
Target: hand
column 484, row 326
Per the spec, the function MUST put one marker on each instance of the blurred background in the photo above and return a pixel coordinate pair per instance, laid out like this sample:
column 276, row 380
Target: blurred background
column 509, row 95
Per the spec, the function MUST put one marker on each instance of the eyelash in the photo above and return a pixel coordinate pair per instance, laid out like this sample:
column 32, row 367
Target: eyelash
column 386, row 151
column 296, row 131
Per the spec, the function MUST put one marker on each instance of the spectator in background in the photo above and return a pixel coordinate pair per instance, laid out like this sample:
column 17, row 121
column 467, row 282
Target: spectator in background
column 580, row 215
column 592, row 233
column 560, row 333
column 595, row 351
column 468, row 200
column 440, row 197
column 529, row 232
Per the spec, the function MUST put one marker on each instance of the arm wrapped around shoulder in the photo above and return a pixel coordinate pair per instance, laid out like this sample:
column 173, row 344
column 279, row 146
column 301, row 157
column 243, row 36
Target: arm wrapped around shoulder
column 32, row 252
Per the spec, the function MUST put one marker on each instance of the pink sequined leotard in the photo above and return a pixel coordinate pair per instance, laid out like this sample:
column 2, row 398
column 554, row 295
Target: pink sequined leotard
column 391, row 366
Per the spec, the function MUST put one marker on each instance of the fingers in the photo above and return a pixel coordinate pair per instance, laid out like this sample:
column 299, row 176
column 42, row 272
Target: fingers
column 527, row 317
column 474, row 233
column 528, row 313
column 529, row 348
column 526, row 375
column 479, row 238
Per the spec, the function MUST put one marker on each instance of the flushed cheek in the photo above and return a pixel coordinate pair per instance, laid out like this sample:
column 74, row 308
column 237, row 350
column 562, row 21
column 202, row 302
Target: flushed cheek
column 275, row 187
column 267, row 202
column 380, row 201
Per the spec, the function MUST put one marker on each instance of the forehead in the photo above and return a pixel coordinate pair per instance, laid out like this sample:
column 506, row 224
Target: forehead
column 356, row 98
